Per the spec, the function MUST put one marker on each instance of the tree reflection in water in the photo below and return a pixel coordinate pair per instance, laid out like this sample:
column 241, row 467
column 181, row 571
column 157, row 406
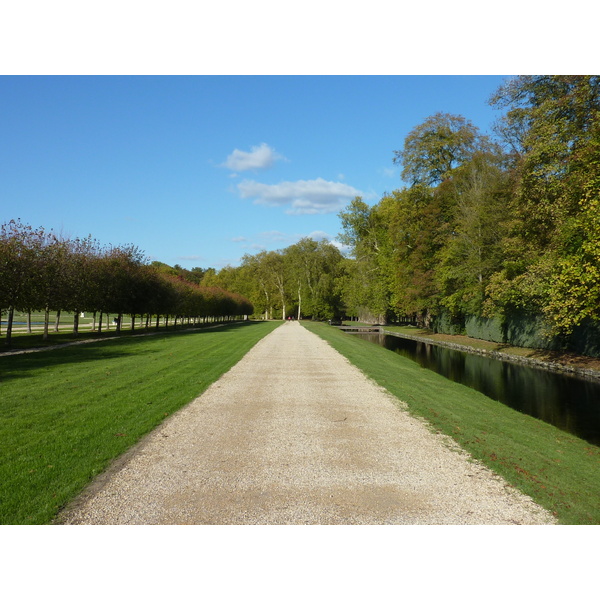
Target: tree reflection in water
column 565, row 401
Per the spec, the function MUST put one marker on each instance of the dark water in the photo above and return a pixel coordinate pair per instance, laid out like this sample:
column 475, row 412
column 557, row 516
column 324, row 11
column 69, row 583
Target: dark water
column 567, row 402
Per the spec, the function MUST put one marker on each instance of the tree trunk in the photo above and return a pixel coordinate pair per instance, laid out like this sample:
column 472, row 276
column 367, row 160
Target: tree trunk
column 9, row 322
column 427, row 319
column 28, row 320
column 56, row 321
column 119, row 319
column 132, row 322
column 46, row 323
column 94, row 322
column 100, row 323
column 76, row 322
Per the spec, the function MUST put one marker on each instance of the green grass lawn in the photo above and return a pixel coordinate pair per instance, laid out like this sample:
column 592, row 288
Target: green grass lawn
column 65, row 414
column 21, row 340
column 66, row 320
column 559, row 471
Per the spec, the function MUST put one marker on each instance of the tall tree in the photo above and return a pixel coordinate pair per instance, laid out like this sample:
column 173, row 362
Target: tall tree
column 557, row 120
column 20, row 247
column 274, row 266
column 313, row 270
column 417, row 227
column 118, row 292
column 263, row 292
column 52, row 280
column 473, row 251
column 437, row 146
column 364, row 233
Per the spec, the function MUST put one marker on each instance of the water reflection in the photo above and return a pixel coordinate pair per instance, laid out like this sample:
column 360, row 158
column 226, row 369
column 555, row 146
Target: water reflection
column 567, row 402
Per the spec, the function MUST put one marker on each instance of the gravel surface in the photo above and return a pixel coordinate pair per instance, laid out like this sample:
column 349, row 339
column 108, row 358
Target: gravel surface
column 295, row 434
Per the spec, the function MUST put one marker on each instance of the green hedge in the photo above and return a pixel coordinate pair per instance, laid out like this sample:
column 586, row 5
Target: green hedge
column 586, row 339
column 445, row 323
column 484, row 329
column 524, row 330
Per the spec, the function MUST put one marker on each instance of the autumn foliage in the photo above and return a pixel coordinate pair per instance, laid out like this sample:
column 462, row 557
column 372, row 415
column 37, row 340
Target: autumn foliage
column 42, row 272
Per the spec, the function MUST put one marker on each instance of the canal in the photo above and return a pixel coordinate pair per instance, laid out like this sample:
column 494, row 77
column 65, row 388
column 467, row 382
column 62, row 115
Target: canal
column 568, row 402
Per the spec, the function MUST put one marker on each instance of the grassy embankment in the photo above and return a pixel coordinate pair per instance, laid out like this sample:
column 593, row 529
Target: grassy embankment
column 65, row 414
column 559, row 471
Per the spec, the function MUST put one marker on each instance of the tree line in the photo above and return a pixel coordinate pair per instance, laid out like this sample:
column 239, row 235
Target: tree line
column 41, row 271
column 490, row 227
column 486, row 225
column 301, row 281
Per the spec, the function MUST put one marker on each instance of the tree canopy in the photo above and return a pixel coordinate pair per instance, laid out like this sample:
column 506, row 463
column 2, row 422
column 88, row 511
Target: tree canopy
column 437, row 146
column 40, row 271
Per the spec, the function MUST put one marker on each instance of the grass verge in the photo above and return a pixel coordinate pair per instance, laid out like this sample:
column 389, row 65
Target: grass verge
column 558, row 470
column 65, row 414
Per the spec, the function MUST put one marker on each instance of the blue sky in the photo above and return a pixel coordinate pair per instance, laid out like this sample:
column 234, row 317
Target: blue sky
column 199, row 170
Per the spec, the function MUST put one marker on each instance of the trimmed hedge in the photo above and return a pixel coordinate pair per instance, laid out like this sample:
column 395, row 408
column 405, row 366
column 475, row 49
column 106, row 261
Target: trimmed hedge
column 524, row 330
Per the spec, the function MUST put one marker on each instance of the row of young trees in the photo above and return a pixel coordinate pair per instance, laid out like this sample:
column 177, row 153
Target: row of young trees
column 41, row 272
column 484, row 227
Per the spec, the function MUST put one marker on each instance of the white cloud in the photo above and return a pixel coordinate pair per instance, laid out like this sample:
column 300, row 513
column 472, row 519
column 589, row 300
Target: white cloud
column 312, row 197
column 260, row 157
column 341, row 247
column 319, row 236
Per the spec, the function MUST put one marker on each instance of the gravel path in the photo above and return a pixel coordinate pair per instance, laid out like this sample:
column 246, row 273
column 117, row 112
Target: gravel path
column 294, row 434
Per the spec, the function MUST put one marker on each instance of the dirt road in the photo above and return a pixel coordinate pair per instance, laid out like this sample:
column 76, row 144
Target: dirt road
column 294, row 434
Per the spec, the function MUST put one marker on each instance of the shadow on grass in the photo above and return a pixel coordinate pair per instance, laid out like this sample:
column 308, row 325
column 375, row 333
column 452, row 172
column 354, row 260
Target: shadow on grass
column 35, row 341
column 16, row 366
column 21, row 366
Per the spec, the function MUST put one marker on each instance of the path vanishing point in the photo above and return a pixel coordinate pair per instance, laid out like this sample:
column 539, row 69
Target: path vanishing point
column 295, row 434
